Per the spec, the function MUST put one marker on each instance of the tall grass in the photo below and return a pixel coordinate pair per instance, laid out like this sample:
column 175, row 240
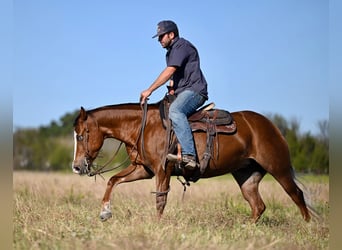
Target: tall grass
column 60, row 211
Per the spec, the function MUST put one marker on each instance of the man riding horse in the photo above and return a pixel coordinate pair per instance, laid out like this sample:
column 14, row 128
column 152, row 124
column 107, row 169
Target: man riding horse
column 188, row 85
column 255, row 148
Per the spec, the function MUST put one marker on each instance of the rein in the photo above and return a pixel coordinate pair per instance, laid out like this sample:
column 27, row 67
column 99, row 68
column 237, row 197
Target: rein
column 99, row 171
column 143, row 124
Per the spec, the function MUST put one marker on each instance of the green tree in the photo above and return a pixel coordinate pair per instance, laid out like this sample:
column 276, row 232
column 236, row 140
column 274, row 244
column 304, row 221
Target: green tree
column 59, row 157
column 308, row 153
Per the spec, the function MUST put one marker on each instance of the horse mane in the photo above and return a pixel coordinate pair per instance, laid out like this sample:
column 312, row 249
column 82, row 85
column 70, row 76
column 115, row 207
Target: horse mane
column 130, row 106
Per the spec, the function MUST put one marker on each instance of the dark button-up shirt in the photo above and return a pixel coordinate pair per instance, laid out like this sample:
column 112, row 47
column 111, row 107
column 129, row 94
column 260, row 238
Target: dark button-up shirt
column 184, row 56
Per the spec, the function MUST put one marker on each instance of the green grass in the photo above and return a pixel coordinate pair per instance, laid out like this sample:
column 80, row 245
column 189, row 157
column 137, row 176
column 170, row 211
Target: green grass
column 60, row 211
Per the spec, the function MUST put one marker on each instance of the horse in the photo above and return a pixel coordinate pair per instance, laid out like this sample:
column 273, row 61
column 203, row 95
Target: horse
column 256, row 148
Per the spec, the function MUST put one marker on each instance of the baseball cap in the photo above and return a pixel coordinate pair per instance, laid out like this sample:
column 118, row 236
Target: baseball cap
column 165, row 27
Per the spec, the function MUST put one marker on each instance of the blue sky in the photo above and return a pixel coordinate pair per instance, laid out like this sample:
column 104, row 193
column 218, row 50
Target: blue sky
column 265, row 56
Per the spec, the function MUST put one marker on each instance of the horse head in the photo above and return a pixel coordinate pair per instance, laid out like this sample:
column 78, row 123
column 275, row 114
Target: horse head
column 88, row 141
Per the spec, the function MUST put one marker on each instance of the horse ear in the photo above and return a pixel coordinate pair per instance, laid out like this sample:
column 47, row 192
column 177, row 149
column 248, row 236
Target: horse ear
column 83, row 114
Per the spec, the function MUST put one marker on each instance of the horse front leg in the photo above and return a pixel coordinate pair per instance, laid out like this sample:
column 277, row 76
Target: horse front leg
column 163, row 187
column 129, row 174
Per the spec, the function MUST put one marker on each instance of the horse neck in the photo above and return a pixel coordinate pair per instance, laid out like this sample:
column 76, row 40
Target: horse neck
column 122, row 122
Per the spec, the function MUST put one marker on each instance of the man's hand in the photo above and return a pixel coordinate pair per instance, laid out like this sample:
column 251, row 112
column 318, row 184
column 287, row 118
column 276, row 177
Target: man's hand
column 162, row 78
column 143, row 96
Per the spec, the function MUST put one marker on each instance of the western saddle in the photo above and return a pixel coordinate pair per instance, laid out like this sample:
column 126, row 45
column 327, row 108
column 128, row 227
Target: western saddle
column 206, row 119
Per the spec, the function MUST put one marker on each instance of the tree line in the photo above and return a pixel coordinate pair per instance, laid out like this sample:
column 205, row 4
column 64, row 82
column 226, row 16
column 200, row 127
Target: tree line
column 50, row 148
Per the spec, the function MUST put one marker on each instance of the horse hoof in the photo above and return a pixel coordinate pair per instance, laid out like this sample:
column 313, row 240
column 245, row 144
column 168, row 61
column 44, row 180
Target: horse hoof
column 105, row 215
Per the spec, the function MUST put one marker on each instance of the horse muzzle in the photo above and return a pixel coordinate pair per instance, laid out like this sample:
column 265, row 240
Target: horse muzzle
column 82, row 168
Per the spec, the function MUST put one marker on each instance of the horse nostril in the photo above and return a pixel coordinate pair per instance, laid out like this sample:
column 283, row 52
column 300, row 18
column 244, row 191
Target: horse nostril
column 76, row 170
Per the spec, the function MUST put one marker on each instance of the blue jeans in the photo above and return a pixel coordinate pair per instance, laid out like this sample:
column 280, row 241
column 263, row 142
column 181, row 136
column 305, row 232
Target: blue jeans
column 181, row 108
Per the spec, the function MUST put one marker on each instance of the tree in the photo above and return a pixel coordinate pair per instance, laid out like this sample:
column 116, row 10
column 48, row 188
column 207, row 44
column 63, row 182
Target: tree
column 308, row 153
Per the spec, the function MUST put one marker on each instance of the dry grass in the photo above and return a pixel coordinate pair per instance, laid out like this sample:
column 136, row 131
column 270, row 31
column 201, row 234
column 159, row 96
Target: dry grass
column 60, row 211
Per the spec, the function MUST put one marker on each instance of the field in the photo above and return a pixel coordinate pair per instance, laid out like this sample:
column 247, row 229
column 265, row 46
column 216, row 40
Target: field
column 61, row 211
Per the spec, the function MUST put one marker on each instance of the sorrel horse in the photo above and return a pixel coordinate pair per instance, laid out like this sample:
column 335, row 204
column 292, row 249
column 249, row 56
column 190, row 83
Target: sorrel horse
column 255, row 149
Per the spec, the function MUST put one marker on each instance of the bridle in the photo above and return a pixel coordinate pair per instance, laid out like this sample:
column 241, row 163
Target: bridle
column 84, row 139
column 98, row 170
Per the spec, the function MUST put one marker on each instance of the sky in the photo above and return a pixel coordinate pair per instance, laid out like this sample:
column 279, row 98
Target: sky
column 268, row 56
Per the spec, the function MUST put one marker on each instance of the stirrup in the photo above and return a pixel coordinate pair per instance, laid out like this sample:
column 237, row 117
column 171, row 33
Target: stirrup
column 172, row 157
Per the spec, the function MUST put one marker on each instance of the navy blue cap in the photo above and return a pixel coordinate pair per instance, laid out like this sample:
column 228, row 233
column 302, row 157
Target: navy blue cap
column 165, row 27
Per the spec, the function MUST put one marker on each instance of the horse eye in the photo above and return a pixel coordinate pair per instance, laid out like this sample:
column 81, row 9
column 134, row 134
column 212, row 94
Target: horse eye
column 79, row 137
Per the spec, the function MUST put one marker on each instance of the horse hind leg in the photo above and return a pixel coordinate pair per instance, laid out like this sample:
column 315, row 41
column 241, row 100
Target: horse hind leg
column 248, row 179
column 286, row 180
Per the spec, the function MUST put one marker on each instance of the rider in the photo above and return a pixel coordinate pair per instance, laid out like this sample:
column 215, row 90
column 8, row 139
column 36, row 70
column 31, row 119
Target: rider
column 189, row 85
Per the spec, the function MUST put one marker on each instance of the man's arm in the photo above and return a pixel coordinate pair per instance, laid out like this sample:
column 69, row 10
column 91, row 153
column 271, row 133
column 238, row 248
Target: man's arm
column 164, row 76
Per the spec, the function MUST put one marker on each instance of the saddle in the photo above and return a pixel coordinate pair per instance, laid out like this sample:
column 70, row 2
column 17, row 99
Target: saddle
column 212, row 120
column 206, row 119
